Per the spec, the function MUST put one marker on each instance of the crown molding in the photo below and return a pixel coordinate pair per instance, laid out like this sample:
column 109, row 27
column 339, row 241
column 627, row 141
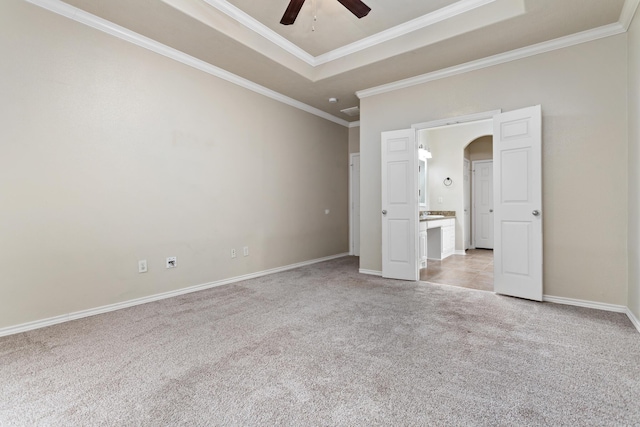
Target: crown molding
column 439, row 15
column 525, row 52
column 354, row 124
column 258, row 27
column 628, row 11
column 79, row 15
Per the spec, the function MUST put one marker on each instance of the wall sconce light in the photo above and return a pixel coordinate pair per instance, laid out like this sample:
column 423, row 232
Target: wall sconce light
column 424, row 153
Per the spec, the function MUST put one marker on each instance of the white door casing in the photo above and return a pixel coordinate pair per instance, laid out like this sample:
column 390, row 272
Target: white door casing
column 467, row 203
column 354, row 196
column 518, row 211
column 483, row 203
column 400, row 205
column 422, row 245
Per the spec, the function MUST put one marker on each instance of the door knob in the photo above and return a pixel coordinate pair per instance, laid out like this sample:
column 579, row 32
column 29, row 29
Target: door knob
column 384, row 212
column 536, row 212
column 490, row 210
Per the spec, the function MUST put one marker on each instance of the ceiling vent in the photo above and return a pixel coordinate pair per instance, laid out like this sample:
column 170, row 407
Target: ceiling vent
column 351, row 112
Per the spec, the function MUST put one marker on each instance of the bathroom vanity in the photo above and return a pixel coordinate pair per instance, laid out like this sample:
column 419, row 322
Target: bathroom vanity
column 437, row 237
column 441, row 238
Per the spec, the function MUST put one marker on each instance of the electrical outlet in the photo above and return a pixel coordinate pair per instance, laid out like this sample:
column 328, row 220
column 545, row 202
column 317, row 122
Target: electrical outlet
column 440, row 199
column 142, row 266
column 233, row 253
column 245, row 251
column 172, row 262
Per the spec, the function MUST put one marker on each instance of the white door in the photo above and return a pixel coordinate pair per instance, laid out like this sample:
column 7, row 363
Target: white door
column 355, row 204
column 483, row 203
column 399, row 211
column 517, row 144
column 467, row 203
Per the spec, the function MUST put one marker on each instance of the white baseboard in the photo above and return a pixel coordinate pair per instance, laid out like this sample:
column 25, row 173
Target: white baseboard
column 10, row 330
column 633, row 319
column 597, row 305
column 587, row 304
column 459, row 252
column 370, row 272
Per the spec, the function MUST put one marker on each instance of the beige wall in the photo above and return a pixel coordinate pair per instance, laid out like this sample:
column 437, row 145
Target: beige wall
column 583, row 93
column 634, row 162
column 354, row 139
column 112, row 154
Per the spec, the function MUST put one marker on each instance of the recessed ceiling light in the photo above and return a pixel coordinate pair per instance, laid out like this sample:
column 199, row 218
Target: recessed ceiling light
column 333, row 100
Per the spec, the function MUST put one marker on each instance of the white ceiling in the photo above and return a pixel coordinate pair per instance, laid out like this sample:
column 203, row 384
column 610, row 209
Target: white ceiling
column 399, row 39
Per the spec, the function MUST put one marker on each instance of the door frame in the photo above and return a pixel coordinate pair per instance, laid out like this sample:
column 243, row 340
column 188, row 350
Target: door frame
column 351, row 200
column 467, row 167
column 473, row 198
column 450, row 121
column 456, row 120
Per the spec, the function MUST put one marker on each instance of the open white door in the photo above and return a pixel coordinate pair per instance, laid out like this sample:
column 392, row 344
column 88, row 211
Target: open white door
column 400, row 205
column 517, row 144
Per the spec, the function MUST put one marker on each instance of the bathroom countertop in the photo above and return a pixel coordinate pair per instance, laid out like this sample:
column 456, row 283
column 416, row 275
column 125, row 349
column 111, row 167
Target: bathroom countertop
column 446, row 215
column 438, row 219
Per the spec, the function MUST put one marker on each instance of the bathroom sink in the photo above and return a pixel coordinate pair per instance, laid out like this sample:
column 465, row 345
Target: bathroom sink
column 434, row 216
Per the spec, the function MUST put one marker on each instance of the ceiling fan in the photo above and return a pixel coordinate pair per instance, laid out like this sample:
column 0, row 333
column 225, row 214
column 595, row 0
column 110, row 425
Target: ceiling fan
column 356, row 7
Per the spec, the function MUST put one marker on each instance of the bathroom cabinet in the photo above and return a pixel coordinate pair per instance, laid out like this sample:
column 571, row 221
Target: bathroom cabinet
column 422, row 239
column 441, row 238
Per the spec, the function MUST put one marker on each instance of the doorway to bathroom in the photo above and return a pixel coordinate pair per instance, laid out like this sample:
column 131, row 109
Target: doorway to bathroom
column 517, row 213
column 469, row 145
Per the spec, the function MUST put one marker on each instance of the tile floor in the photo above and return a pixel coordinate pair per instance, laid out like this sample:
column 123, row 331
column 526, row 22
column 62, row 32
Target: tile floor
column 473, row 270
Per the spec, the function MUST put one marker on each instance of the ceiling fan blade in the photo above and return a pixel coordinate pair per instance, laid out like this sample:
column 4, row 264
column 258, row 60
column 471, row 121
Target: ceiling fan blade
column 292, row 11
column 356, row 7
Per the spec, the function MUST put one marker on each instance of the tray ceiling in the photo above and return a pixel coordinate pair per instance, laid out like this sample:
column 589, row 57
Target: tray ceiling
column 398, row 40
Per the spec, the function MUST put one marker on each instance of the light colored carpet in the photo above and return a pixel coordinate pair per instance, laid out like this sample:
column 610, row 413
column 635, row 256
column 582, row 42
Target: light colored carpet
column 324, row 345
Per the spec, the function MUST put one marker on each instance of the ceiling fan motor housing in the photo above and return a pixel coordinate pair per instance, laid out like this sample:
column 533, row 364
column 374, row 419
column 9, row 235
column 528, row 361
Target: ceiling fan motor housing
column 357, row 7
